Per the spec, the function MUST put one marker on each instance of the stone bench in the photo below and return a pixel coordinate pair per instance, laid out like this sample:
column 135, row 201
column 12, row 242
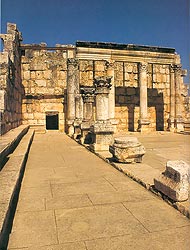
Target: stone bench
column 174, row 182
column 127, row 150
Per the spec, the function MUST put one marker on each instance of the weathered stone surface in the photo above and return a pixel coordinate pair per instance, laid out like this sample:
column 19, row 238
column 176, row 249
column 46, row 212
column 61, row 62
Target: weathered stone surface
column 127, row 150
column 174, row 182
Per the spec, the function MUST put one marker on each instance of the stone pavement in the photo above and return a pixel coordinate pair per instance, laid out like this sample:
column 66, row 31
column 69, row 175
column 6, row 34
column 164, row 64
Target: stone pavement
column 160, row 147
column 71, row 199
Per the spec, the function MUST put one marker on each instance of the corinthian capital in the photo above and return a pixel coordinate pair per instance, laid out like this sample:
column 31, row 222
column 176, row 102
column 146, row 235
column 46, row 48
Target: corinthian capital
column 88, row 94
column 143, row 67
column 73, row 62
column 103, row 82
column 110, row 64
column 176, row 68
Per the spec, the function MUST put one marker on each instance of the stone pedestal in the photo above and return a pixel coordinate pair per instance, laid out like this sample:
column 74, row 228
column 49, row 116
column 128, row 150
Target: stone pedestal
column 102, row 130
column 127, row 150
column 102, row 135
column 143, row 123
column 174, row 182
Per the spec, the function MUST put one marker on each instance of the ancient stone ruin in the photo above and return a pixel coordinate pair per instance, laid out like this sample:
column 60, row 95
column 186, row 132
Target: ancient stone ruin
column 174, row 182
column 91, row 90
column 127, row 150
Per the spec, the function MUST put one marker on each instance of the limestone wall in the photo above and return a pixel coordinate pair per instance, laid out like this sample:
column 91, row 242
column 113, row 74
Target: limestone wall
column 126, row 81
column 44, row 76
column 11, row 89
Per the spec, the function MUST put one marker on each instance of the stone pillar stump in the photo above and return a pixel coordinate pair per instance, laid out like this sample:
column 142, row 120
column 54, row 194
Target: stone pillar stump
column 127, row 150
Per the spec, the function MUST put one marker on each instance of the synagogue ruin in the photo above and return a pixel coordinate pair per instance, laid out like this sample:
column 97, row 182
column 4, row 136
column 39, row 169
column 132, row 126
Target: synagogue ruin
column 91, row 88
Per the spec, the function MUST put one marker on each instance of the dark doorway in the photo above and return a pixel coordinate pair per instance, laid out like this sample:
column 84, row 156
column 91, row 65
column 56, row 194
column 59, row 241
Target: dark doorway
column 52, row 121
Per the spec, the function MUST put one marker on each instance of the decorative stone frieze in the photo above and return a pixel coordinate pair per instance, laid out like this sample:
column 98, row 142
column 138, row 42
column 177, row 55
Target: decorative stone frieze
column 127, row 150
column 174, row 182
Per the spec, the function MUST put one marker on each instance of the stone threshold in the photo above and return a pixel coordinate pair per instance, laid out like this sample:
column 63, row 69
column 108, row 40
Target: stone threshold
column 136, row 171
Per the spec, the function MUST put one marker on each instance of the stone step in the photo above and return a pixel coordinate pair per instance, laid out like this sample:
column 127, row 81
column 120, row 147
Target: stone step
column 10, row 180
column 39, row 129
column 10, row 140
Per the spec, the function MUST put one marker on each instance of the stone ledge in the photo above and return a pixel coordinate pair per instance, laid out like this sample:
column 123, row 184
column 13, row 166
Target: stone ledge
column 10, row 140
column 10, row 179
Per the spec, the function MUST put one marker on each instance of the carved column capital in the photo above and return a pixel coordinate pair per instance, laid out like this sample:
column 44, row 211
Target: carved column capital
column 103, row 82
column 72, row 61
column 176, row 68
column 143, row 67
column 88, row 94
column 110, row 64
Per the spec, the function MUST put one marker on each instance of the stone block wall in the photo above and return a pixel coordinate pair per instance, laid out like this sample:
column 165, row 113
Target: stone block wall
column 11, row 89
column 126, row 81
column 44, row 76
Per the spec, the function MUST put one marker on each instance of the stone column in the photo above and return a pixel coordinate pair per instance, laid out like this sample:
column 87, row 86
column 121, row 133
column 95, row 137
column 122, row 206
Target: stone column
column 102, row 129
column 72, row 65
column 88, row 99
column 143, row 78
column 78, row 115
column 178, row 118
column 110, row 73
column 171, row 126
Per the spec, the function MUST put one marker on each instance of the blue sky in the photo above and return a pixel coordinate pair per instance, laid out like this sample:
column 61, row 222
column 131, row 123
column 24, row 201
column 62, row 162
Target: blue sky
column 146, row 22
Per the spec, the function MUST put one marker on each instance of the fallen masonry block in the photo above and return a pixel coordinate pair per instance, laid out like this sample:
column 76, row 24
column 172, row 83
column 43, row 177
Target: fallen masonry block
column 127, row 150
column 174, row 182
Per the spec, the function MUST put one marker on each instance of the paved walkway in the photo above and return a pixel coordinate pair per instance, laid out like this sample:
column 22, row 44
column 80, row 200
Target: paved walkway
column 71, row 199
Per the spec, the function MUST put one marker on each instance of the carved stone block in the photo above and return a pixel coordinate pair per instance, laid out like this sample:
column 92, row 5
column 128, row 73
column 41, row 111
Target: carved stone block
column 127, row 150
column 174, row 182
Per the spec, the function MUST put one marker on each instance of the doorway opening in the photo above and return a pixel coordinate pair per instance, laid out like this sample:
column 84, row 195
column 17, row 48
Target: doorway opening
column 52, row 120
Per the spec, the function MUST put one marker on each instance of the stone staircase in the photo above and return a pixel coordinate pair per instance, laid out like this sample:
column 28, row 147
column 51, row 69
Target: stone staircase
column 14, row 148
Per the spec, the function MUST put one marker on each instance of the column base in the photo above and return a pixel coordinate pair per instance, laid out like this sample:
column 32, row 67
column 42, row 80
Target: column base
column 86, row 135
column 179, row 125
column 70, row 128
column 77, row 130
column 102, row 134
column 144, row 125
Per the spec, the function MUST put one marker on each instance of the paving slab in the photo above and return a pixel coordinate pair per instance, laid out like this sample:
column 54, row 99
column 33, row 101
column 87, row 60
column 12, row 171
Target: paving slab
column 33, row 228
column 71, row 199
column 95, row 222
